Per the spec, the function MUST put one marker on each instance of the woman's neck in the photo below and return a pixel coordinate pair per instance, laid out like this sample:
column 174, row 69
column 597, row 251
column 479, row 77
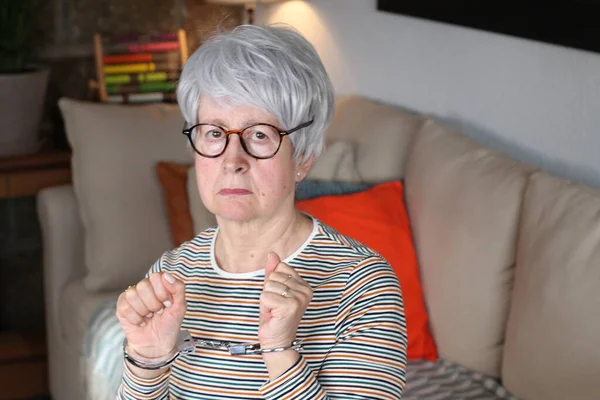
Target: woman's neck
column 243, row 247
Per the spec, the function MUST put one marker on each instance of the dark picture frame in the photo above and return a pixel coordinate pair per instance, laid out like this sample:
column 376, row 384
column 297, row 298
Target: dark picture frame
column 570, row 23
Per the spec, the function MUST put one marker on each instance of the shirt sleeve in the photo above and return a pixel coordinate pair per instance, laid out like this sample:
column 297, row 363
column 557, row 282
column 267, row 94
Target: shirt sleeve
column 134, row 387
column 368, row 360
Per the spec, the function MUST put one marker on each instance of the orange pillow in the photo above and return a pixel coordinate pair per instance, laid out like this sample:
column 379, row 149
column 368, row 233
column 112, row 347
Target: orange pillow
column 173, row 179
column 377, row 217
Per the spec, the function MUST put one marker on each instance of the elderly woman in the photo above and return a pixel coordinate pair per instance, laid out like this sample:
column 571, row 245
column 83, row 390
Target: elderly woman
column 278, row 305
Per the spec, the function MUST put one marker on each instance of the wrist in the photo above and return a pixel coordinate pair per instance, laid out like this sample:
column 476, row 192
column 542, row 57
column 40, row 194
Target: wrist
column 276, row 343
column 278, row 363
column 185, row 344
column 149, row 356
column 145, row 373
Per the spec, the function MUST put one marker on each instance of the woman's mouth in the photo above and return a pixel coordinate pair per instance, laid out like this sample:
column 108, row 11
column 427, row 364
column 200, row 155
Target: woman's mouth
column 234, row 192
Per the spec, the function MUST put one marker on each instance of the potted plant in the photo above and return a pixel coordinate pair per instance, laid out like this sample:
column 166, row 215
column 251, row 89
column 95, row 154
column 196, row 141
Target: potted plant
column 22, row 85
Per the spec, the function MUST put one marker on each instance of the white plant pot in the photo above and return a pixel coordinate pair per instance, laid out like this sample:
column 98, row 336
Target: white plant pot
column 21, row 107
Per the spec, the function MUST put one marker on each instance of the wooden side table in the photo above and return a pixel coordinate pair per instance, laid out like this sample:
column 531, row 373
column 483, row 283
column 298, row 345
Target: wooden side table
column 23, row 365
column 23, row 362
column 26, row 175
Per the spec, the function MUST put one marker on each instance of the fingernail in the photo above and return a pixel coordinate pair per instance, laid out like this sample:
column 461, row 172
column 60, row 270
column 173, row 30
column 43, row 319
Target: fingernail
column 159, row 312
column 143, row 324
column 149, row 315
column 167, row 303
column 170, row 278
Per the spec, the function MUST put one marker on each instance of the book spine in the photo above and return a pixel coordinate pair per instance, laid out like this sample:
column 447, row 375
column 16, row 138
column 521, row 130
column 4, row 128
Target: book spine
column 155, row 46
column 142, row 87
column 138, row 68
column 172, row 57
column 115, row 48
column 141, row 97
column 157, row 37
column 159, row 76
column 127, row 58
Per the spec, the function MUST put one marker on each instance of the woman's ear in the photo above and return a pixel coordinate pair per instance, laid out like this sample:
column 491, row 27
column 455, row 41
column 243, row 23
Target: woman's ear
column 303, row 168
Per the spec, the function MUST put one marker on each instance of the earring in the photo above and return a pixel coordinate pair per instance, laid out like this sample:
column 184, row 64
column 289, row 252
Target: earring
column 298, row 174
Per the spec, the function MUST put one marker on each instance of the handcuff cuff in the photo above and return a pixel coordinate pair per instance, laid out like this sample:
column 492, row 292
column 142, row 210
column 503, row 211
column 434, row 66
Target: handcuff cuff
column 186, row 344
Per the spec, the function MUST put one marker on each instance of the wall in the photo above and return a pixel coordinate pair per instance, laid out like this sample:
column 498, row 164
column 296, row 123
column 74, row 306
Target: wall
column 65, row 29
column 534, row 101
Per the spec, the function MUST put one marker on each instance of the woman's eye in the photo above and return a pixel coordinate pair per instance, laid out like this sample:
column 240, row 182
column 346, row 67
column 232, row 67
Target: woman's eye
column 215, row 134
column 259, row 135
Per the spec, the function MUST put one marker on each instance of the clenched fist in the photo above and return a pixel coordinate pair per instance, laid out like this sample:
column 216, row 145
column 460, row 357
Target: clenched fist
column 151, row 313
column 283, row 301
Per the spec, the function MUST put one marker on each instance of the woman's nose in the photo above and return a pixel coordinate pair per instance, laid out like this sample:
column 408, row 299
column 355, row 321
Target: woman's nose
column 236, row 158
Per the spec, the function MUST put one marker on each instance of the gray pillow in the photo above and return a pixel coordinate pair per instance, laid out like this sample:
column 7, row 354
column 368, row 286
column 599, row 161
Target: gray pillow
column 309, row 189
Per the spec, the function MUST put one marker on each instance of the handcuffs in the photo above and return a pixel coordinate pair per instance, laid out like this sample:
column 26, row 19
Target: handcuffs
column 186, row 344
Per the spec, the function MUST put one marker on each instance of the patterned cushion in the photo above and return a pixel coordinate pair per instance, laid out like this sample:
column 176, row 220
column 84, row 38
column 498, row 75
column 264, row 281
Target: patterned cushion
column 445, row 380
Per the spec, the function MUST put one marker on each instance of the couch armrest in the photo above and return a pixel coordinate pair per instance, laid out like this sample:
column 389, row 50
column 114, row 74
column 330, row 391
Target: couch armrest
column 63, row 247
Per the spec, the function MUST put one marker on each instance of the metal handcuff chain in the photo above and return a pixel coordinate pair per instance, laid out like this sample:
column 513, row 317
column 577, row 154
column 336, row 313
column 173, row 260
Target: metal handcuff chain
column 186, row 344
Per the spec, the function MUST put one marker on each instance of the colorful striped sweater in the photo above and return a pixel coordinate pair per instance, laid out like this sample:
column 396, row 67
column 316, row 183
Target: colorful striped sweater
column 353, row 331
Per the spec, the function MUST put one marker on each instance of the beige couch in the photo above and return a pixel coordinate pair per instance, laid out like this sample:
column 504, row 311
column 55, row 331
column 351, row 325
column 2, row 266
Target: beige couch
column 509, row 256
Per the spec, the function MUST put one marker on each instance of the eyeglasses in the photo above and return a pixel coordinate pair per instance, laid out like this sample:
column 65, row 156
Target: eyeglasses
column 260, row 141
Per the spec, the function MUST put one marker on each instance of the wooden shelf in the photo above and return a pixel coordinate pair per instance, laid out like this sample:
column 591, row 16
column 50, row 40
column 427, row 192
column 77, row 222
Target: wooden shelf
column 26, row 175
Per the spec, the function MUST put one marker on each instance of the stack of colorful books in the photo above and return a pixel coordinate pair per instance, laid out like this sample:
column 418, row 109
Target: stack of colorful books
column 139, row 68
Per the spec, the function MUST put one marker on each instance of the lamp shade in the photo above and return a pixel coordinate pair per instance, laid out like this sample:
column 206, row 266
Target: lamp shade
column 237, row 2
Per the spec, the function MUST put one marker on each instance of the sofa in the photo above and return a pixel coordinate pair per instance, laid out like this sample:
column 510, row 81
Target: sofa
column 509, row 256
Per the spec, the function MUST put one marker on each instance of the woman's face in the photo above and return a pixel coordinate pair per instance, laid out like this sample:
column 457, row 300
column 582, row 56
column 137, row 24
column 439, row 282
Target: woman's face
column 236, row 186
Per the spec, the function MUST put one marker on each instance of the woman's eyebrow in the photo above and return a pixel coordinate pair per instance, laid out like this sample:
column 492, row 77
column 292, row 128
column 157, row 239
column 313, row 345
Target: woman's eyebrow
column 248, row 122
column 216, row 121
column 269, row 121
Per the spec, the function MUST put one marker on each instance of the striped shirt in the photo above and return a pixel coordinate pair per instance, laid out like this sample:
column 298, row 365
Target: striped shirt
column 353, row 331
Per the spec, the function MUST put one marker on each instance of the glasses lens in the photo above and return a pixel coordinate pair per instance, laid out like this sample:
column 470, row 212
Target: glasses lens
column 261, row 140
column 209, row 140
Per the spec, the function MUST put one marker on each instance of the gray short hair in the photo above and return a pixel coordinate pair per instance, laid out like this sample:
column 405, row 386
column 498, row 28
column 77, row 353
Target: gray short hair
column 273, row 68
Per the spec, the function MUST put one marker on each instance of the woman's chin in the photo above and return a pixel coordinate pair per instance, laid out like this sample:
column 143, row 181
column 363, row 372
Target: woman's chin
column 236, row 213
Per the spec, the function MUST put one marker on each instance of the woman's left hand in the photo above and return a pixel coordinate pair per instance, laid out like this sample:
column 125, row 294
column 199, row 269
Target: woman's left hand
column 283, row 301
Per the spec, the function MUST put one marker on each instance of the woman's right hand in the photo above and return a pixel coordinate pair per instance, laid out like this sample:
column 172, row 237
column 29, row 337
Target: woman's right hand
column 151, row 313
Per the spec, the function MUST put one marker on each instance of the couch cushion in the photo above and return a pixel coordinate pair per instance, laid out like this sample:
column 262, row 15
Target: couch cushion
column 464, row 203
column 115, row 149
column 173, row 181
column 337, row 163
column 310, row 189
column 551, row 349
column 377, row 217
column 382, row 134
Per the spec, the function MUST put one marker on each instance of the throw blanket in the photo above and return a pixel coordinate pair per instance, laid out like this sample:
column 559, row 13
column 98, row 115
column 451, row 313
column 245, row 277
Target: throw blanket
column 444, row 380
column 103, row 353
column 441, row 380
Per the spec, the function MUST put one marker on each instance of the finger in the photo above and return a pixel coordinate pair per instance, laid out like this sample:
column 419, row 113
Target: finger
column 160, row 290
column 282, row 277
column 285, row 269
column 278, row 288
column 291, row 284
column 273, row 261
column 175, row 287
column 136, row 303
column 126, row 313
column 274, row 301
column 146, row 293
column 291, row 278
